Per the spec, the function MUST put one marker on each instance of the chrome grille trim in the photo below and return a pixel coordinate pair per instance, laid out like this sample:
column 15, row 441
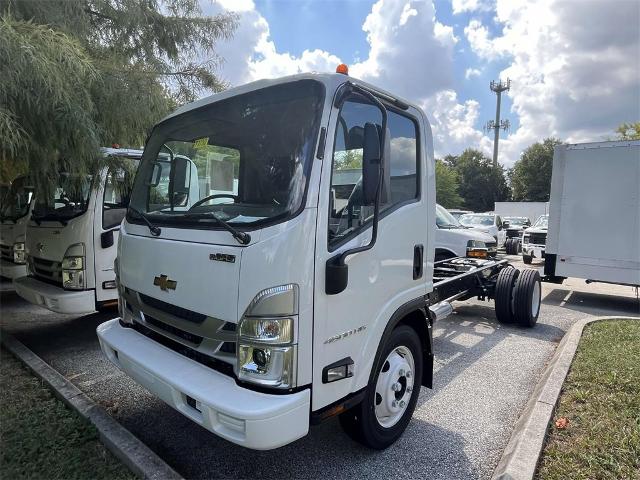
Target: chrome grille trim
column 211, row 337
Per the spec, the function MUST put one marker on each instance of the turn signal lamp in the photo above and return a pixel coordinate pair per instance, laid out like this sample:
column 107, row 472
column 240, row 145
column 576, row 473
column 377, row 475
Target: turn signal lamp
column 343, row 69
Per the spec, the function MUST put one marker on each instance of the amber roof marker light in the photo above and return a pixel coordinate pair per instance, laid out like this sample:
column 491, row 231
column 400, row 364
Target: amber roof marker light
column 343, row 69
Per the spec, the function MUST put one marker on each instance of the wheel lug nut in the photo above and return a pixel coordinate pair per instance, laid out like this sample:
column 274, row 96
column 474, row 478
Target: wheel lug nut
column 394, row 404
column 408, row 375
column 396, row 387
column 401, row 372
column 409, row 389
column 402, row 403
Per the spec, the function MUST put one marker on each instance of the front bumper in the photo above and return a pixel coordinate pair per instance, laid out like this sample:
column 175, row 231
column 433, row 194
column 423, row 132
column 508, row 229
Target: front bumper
column 252, row 419
column 55, row 298
column 12, row 270
column 535, row 251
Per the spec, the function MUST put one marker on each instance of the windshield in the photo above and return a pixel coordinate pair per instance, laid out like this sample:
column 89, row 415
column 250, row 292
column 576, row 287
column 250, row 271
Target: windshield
column 475, row 220
column 16, row 202
column 444, row 219
column 244, row 159
column 65, row 198
column 517, row 221
column 542, row 222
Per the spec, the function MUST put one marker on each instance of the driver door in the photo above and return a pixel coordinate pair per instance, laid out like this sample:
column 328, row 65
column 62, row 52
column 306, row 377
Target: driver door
column 349, row 325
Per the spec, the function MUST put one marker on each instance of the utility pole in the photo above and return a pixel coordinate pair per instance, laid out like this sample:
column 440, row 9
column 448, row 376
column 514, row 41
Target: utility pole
column 497, row 124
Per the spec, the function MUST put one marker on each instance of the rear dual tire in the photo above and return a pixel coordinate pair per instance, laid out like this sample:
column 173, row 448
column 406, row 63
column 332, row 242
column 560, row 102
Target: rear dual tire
column 517, row 296
column 512, row 246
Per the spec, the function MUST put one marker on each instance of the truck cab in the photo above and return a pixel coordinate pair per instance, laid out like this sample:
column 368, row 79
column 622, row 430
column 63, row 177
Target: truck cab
column 488, row 223
column 534, row 240
column 292, row 289
column 14, row 216
column 72, row 235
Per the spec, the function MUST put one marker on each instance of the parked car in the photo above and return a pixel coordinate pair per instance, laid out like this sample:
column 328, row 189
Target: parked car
column 458, row 213
column 514, row 226
column 489, row 223
column 534, row 240
column 452, row 239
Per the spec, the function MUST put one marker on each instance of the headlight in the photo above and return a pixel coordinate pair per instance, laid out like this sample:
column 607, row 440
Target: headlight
column 73, row 268
column 267, row 353
column 18, row 253
column 477, row 249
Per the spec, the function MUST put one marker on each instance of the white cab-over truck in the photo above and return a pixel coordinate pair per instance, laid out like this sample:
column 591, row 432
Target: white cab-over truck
column 71, row 239
column 265, row 307
column 594, row 213
column 14, row 216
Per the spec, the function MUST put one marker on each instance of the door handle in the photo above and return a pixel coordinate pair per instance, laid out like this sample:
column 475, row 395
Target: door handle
column 418, row 255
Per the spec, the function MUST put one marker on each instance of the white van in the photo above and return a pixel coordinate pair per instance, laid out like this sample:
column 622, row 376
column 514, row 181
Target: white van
column 72, row 235
column 14, row 216
column 452, row 239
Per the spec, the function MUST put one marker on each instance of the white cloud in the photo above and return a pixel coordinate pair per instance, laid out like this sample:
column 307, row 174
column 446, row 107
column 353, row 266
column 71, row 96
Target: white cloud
column 461, row 6
column 472, row 72
column 575, row 71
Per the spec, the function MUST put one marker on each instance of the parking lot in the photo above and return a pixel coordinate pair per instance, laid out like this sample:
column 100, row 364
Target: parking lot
column 484, row 375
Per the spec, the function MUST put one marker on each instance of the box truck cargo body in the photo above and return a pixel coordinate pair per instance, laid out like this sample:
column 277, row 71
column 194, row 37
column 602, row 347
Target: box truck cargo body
column 594, row 214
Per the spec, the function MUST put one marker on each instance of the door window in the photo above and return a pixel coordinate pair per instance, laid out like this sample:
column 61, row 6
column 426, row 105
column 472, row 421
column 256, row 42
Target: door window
column 117, row 192
column 347, row 214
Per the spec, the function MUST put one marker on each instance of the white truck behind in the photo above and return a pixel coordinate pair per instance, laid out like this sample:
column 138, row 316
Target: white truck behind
column 594, row 214
column 261, row 310
column 71, row 237
column 14, row 216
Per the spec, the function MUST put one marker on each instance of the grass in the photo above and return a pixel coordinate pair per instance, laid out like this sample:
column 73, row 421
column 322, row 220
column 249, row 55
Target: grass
column 40, row 437
column 601, row 401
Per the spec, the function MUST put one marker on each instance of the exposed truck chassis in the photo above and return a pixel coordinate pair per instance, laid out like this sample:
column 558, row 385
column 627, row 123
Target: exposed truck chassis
column 516, row 293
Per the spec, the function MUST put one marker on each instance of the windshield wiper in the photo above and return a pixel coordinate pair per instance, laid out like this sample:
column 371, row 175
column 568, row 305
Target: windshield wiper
column 155, row 231
column 242, row 237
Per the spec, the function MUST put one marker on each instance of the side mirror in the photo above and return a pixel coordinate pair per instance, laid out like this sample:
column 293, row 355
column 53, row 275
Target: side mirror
column 505, row 224
column 180, row 180
column 371, row 164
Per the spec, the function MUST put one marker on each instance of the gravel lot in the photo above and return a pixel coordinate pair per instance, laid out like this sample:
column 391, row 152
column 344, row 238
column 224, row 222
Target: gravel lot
column 484, row 375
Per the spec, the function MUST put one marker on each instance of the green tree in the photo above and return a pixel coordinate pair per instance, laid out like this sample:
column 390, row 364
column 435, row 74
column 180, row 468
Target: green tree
column 447, row 185
column 481, row 185
column 628, row 131
column 128, row 63
column 531, row 175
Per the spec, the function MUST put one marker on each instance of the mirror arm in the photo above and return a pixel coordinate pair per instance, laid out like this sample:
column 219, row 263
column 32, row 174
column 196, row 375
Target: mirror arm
column 337, row 274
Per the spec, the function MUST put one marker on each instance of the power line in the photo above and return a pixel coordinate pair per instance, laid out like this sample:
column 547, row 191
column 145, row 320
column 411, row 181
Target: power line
column 497, row 124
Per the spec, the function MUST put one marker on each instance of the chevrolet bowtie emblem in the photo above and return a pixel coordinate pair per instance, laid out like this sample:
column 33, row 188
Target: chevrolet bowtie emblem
column 164, row 283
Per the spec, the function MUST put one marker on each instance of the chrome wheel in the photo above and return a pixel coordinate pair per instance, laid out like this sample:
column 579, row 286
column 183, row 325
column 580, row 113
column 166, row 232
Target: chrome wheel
column 394, row 386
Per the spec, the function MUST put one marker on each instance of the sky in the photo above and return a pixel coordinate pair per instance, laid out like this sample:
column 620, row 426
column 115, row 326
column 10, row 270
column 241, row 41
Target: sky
column 574, row 65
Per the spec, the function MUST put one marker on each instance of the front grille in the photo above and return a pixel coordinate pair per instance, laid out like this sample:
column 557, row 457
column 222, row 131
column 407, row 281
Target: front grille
column 491, row 245
column 47, row 270
column 6, row 252
column 513, row 233
column 537, row 238
column 213, row 363
column 174, row 310
column 189, row 337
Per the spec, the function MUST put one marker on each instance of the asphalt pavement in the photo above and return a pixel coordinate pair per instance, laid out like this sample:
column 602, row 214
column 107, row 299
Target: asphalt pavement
column 483, row 377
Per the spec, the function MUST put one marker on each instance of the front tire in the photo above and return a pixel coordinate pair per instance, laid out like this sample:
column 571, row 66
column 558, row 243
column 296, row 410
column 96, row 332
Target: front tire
column 527, row 259
column 391, row 396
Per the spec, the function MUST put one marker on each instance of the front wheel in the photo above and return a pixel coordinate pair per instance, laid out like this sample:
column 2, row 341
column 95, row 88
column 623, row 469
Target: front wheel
column 391, row 396
column 527, row 259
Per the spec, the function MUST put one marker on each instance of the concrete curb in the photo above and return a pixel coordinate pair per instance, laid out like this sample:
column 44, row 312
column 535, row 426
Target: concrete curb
column 124, row 445
column 520, row 457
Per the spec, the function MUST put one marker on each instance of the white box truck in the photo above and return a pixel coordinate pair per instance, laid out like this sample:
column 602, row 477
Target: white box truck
column 263, row 309
column 594, row 214
column 72, row 234
column 14, row 216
